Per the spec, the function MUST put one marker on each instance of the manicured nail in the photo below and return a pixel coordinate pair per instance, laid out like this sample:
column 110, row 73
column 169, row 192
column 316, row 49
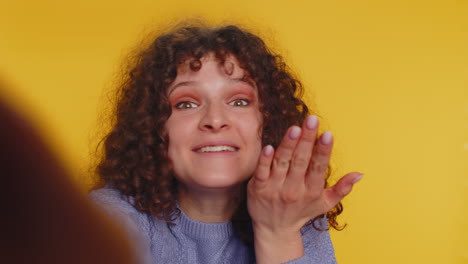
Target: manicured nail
column 268, row 150
column 311, row 122
column 357, row 179
column 295, row 132
column 326, row 137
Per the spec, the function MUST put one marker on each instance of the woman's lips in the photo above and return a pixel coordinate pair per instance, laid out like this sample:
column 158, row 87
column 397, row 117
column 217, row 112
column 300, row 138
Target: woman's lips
column 221, row 148
column 215, row 147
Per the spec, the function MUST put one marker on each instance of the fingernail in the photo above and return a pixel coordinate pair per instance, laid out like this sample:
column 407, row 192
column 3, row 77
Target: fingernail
column 311, row 122
column 295, row 132
column 268, row 150
column 357, row 179
column 326, row 137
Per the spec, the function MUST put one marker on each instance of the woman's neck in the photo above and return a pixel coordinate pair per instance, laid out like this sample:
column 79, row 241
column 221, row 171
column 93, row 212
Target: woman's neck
column 209, row 206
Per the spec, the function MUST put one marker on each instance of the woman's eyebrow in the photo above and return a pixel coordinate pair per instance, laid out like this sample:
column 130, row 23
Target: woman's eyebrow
column 186, row 83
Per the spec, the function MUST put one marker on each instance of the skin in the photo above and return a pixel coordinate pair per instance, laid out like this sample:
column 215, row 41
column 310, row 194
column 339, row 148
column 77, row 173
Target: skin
column 48, row 218
column 287, row 190
column 287, row 186
column 211, row 107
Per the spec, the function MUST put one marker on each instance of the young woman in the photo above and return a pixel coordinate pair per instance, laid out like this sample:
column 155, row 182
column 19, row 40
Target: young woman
column 213, row 158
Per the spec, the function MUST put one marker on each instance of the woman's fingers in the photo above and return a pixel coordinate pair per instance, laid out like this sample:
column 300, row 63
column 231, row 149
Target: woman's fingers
column 301, row 157
column 262, row 174
column 315, row 178
column 342, row 188
column 288, row 188
column 284, row 154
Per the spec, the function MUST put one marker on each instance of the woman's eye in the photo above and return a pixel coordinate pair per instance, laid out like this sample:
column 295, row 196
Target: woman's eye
column 240, row 102
column 186, row 105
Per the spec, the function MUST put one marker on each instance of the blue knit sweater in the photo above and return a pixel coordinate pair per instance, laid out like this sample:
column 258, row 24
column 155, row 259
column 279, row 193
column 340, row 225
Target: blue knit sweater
column 189, row 241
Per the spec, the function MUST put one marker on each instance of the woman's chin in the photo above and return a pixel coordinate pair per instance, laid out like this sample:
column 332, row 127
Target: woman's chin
column 215, row 182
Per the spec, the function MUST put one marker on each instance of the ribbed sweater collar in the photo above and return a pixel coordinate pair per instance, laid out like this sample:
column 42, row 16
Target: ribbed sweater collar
column 203, row 231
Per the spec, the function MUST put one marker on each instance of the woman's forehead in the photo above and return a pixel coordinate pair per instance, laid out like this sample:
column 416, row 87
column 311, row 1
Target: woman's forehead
column 208, row 69
column 228, row 65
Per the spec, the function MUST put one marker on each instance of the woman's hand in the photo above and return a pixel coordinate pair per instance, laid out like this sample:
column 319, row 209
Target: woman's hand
column 288, row 190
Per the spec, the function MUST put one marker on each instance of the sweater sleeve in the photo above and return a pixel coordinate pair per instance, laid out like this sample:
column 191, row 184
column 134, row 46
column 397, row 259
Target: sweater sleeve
column 318, row 248
column 134, row 223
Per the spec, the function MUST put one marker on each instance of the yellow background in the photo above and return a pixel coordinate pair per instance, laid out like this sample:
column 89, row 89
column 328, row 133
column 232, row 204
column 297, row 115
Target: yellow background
column 388, row 77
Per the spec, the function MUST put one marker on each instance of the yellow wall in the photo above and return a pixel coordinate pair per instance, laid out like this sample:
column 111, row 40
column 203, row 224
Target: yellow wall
column 389, row 78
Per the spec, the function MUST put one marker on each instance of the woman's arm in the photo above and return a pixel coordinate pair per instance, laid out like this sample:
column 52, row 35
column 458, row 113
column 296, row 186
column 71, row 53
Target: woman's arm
column 287, row 191
column 46, row 218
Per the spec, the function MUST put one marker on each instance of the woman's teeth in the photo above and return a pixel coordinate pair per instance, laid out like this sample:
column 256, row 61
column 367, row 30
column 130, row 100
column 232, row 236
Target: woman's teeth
column 216, row 149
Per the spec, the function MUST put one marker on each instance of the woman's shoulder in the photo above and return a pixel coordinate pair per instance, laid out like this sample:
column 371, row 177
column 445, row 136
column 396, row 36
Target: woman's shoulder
column 112, row 201
column 139, row 227
column 120, row 208
column 110, row 196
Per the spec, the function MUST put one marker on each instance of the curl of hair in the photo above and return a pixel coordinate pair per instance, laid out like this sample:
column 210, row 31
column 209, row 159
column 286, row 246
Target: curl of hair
column 135, row 159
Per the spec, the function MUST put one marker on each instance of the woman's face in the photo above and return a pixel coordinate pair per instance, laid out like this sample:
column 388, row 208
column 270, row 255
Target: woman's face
column 214, row 128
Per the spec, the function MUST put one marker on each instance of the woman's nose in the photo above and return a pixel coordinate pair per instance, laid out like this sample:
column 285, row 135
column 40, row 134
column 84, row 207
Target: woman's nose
column 214, row 118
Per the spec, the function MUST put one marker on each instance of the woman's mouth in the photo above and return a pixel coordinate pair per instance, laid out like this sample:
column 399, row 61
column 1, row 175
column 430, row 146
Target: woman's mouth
column 221, row 148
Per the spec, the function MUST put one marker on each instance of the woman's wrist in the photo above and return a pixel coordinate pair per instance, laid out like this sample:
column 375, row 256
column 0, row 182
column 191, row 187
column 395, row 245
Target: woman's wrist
column 277, row 247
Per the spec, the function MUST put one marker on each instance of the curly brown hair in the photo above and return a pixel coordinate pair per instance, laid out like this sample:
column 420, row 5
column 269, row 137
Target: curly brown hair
column 135, row 158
